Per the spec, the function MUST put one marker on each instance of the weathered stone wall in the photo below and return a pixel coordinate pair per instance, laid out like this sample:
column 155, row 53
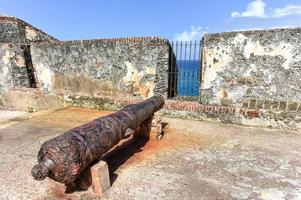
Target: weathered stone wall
column 15, row 60
column 248, row 78
column 14, row 72
column 288, row 119
column 5, row 68
column 13, row 30
column 253, row 69
column 109, row 67
column 46, row 70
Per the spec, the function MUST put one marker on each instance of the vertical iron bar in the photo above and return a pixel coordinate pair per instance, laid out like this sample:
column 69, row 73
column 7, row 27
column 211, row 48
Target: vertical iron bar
column 180, row 67
column 172, row 71
column 194, row 67
column 199, row 67
column 189, row 69
column 176, row 71
column 185, row 53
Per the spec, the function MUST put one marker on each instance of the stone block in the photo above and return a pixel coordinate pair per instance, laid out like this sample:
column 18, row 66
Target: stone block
column 274, row 105
column 226, row 102
column 245, row 103
column 292, row 106
column 156, row 127
column 267, row 104
column 253, row 103
column 282, row 105
column 260, row 104
column 248, row 80
column 100, row 178
column 204, row 99
column 252, row 114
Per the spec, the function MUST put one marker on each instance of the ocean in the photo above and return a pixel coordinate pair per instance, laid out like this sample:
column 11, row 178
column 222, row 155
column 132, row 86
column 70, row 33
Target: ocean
column 188, row 77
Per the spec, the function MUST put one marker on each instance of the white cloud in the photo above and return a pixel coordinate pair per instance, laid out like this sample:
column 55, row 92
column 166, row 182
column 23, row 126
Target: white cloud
column 257, row 9
column 3, row 15
column 195, row 33
column 254, row 9
column 287, row 10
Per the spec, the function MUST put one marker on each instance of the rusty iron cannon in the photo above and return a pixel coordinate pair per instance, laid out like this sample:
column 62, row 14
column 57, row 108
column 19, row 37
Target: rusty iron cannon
column 64, row 157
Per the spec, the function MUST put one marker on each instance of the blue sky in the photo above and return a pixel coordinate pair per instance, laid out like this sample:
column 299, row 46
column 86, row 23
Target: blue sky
column 172, row 19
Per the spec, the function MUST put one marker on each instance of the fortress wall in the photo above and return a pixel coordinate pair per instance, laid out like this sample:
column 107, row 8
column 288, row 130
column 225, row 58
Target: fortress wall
column 14, row 30
column 15, row 59
column 252, row 69
column 17, row 77
column 13, row 70
column 256, row 72
column 249, row 77
column 107, row 67
column 6, row 75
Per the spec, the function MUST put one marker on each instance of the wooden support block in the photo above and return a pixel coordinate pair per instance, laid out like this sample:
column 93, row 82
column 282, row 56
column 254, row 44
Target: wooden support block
column 100, row 177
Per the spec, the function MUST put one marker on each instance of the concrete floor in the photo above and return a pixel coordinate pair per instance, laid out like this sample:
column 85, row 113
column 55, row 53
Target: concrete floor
column 194, row 160
column 7, row 116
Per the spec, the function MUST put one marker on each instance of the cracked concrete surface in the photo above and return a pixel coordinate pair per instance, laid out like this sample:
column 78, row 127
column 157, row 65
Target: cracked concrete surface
column 195, row 160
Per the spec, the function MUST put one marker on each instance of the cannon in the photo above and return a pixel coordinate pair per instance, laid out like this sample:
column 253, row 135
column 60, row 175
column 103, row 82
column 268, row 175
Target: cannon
column 64, row 157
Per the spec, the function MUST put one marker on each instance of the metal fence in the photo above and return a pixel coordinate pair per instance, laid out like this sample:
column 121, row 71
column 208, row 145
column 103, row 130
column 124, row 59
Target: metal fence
column 184, row 69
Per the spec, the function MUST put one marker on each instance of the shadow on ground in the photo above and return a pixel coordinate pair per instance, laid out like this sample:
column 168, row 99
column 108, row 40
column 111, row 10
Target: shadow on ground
column 114, row 158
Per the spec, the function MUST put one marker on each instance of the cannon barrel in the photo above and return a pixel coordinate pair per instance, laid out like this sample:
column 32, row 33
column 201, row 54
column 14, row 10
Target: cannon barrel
column 64, row 157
